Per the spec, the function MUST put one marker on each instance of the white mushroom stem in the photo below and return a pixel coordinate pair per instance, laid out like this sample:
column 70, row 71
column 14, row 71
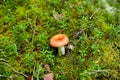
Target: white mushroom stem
column 61, row 50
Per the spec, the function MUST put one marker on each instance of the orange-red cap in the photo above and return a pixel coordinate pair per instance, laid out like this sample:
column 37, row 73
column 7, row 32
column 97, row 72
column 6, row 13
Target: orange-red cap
column 59, row 40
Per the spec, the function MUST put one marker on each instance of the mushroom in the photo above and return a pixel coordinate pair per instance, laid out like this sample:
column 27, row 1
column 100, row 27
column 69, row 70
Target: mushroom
column 59, row 41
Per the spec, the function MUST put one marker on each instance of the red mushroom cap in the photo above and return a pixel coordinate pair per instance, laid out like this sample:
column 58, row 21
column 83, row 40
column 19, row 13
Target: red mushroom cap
column 59, row 40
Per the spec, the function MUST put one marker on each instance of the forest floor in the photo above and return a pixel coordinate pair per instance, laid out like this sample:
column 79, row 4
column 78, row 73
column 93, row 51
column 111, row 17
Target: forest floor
column 93, row 29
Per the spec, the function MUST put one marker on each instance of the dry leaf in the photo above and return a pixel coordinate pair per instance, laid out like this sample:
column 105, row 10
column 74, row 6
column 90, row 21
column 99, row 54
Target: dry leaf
column 49, row 76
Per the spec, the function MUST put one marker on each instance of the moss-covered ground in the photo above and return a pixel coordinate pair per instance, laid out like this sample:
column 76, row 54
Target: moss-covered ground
column 93, row 27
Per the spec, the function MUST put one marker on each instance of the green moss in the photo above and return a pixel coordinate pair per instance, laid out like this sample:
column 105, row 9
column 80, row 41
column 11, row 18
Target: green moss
column 27, row 26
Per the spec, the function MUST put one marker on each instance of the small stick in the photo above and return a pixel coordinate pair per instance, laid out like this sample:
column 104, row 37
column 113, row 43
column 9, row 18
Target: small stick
column 96, row 71
column 94, row 13
column 32, row 30
column 14, row 69
column 2, row 75
column 3, row 60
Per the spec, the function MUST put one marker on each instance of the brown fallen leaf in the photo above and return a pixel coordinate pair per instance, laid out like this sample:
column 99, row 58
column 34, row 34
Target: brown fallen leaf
column 49, row 76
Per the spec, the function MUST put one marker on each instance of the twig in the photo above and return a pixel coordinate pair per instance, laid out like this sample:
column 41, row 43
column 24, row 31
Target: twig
column 94, row 13
column 2, row 75
column 3, row 60
column 39, row 68
column 33, row 72
column 84, row 34
column 11, row 77
column 14, row 69
column 32, row 30
column 96, row 71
